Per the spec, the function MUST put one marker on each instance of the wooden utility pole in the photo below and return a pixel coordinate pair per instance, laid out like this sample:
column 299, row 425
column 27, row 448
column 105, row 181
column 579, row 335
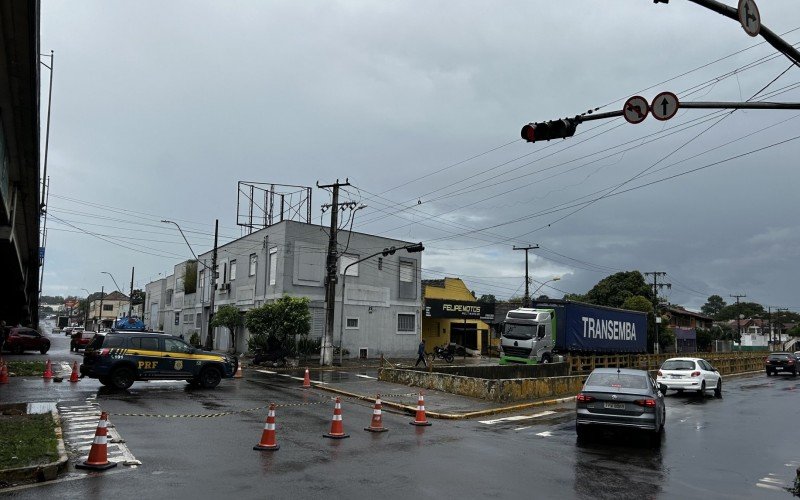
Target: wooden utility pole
column 656, row 287
column 738, row 319
column 210, row 336
column 326, row 356
column 526, row 301
column 130, row 297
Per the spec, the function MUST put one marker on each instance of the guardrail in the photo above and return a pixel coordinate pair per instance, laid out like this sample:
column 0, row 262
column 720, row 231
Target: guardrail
column 725, row 362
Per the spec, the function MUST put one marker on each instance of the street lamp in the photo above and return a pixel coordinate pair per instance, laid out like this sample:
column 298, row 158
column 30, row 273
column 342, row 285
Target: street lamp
column 184, row 237
column 410, row 248
column 546, row 282
column 86, row 309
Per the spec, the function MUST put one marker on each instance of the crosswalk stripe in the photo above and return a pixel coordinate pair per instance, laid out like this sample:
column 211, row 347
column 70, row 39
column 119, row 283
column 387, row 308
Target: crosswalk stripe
column 517, row 417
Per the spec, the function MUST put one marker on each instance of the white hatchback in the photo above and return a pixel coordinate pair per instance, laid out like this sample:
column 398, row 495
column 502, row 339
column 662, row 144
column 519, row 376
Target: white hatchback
column 690, row 374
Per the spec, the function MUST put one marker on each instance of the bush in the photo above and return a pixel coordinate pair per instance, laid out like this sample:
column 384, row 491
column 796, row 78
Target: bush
column 195, row 339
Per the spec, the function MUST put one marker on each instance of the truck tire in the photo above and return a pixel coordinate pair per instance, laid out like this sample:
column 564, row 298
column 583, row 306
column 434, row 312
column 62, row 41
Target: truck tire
column 122, row 377
column 210, row 377
column 546, row 358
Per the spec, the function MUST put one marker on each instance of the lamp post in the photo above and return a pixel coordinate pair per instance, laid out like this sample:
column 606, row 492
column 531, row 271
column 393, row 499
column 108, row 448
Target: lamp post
column 100, row 313
column 411, row 248
column 114, row 321
column 546, row 282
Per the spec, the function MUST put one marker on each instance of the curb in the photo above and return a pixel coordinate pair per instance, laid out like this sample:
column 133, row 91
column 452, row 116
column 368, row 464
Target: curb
column 450, row 416
column 42, row 472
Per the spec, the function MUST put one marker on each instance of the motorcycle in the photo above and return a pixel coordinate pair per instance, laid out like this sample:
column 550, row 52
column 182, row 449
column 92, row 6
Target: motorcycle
column 272, row 358
column 445, row 353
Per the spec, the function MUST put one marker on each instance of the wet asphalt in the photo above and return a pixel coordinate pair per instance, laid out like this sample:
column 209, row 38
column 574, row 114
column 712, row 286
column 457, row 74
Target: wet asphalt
column 196, row 443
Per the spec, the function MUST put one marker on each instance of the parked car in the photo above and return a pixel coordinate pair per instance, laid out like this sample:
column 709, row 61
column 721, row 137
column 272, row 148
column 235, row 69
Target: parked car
column 690, row 374
column 26, row 339
column 120, row 358
column 620, row 398
column 80, row 340
column 781, row 362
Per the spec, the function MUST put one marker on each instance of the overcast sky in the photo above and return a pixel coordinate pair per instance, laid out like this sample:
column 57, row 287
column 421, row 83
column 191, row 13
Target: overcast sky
column 159, row 108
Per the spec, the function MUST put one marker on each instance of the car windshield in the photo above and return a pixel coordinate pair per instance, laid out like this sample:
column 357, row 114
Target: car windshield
column 521, row 332
column 678, row 364
column 778, row 356
column 617, row 380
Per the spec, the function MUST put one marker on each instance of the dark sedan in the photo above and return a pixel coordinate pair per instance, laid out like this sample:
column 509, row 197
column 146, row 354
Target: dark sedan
column 620, row 398
column 26, row 339
column 781, row 362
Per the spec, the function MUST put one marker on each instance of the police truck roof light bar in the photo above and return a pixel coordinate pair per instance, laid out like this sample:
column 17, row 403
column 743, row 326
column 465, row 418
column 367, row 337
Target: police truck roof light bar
column 554, row 129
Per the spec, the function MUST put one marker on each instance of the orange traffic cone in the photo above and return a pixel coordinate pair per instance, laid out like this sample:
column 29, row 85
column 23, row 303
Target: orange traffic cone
column 421, row 419
column 3, row 373
column 377, row 421
column 74, row 376
column 48, row 371
column 98, row 454
column 268, row 436
column 307, row 379
column 337, row 429
column 238, row 373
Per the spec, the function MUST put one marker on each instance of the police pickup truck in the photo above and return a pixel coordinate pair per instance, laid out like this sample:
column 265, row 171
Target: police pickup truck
column 118, row 359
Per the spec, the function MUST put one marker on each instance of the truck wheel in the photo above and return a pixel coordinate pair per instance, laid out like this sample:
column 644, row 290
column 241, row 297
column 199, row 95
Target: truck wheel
column 210, row 377
column 448, row 357
column 122, row 377
column 546, row 359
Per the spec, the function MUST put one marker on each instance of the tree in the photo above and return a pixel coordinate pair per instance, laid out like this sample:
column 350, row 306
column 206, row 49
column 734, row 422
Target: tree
column 713, row 306
column 614, row 290
column 229, row 317
column 705, row 337
column 487, row 299
column 190, row 277
column 746, row 309
column 137, row 297
column 794, row 331
column 279, row 324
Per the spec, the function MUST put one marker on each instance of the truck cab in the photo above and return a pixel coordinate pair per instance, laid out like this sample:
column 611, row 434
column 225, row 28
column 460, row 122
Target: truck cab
column 528, row 336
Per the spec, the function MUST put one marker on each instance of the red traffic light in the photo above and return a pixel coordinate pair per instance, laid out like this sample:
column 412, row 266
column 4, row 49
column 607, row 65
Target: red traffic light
column 544, row 131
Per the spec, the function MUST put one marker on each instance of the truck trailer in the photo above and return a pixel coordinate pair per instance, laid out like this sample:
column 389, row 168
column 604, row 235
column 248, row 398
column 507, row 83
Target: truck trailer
column 551, row 328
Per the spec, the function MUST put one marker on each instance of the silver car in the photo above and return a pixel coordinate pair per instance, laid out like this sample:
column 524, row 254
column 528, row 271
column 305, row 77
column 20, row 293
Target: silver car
column 620, row 398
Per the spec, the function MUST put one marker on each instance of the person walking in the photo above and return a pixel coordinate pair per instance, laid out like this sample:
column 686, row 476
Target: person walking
column 421, row 354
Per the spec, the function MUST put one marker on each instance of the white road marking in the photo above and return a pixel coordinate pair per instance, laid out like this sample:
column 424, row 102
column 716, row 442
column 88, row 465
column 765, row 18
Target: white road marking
column 267, row 372
column 545, row 434
column 523, row 428
column 517, row 417
column 366, row 376
column 290, row 376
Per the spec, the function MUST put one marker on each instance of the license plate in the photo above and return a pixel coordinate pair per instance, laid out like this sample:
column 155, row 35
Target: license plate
column 614, row 406
column 676, row 376
column 779, row 368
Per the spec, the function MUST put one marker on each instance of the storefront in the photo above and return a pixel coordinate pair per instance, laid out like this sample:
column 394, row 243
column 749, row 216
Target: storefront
column 457, row 321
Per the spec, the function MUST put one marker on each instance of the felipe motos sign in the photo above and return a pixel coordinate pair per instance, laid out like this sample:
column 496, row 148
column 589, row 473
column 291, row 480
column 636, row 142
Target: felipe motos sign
column 440, row 308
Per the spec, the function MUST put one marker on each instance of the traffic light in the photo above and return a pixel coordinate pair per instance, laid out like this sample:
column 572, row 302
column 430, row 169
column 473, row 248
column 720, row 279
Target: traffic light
column 544, row 131
column 417, row 247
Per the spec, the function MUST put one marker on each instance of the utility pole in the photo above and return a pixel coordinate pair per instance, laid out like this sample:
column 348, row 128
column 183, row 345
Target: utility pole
column 777, row 311
column 656, row 287
column 738, row 314
column 526, row 301
column 326, row 356
column 210, row 336
column 100, row 314
column 130, row 297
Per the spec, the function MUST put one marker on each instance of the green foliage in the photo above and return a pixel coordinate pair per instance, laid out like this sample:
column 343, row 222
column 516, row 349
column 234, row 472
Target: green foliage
column 229, row 317
column 666, row 337
column 27, row 440
column 794, row 332
column 56, row 300
column 137, row 296
column 638, row 303
column 614, row 290
column 190, row 277
column 195, row 339
column 747, row 309
column 487, row 299
column 276, row 324
column 705, row 337
column 713, row 306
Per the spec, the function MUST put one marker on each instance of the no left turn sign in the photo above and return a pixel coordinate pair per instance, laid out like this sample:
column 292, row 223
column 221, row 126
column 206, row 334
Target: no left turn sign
column 635, row 109
column 664, row 106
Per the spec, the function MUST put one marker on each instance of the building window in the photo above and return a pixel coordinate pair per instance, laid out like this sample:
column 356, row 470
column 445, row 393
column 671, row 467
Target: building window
column 197, row 320
column 177, row 318
column 352, row 323
column 202, row 280
column 169, row 297
column 348, row 260
column 406, row 323
column 406, row 271
column 108, row 307
column 253, row 261
column 233, row 270
column 273, row 264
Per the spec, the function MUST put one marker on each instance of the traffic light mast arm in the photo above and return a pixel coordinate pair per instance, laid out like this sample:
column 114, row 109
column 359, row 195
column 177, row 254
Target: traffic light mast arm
column 769, row 36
